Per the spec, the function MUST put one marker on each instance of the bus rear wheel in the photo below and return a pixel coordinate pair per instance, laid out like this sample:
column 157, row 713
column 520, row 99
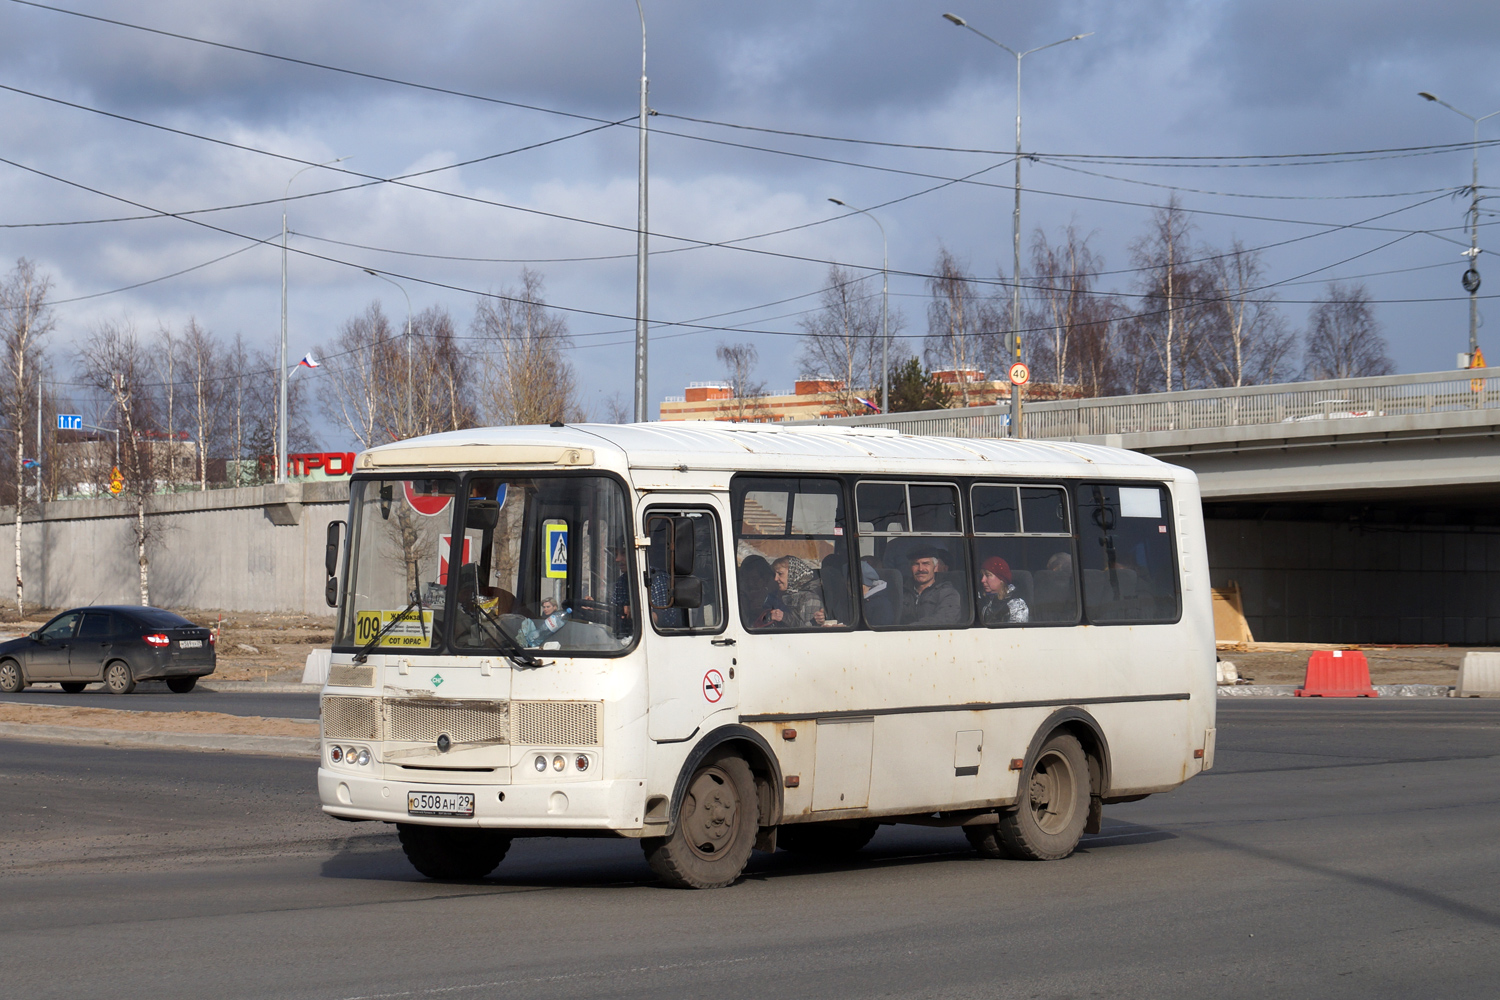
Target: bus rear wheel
column 456, row 853
column 1054, row 805
column 826, row 841
column 716, row 827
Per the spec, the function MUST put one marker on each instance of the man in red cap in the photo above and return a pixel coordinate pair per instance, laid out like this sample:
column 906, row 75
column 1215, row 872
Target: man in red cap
column 999, row 605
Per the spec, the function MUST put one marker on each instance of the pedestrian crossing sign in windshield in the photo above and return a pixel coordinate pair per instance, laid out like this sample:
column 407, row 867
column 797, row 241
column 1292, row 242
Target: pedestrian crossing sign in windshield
column 555, row 538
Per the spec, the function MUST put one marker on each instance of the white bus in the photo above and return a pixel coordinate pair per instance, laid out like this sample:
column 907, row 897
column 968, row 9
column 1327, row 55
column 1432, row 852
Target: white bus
column 719, row 637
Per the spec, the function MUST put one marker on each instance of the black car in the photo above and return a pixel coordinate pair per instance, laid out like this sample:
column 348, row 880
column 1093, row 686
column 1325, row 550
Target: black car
column 118, row 645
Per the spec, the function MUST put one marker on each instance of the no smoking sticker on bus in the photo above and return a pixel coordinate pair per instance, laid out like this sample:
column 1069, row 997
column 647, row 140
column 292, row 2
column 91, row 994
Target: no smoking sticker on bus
column 713, row 685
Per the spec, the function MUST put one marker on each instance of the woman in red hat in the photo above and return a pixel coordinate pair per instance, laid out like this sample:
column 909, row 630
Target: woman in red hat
column 998, row 605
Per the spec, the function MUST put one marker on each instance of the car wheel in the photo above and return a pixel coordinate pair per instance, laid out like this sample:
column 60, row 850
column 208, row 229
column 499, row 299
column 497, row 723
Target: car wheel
column 73, row 687
column 181, row 685
column 118, row 677
column 715, row 831
column 11, row 677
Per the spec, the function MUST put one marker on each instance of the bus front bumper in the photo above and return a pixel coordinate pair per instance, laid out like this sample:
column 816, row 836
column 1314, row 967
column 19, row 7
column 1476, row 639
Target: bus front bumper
column 616, row 805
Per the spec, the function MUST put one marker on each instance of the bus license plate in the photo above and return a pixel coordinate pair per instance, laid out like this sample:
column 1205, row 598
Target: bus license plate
column 439, row 804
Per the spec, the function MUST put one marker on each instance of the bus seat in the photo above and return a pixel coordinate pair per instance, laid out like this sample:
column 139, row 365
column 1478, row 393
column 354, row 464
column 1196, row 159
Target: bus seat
column 1054, row 595
column 1021, row 580
column 835, row 577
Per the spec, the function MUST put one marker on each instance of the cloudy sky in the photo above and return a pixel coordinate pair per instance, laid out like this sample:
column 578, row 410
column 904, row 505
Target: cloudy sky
column 751, row 100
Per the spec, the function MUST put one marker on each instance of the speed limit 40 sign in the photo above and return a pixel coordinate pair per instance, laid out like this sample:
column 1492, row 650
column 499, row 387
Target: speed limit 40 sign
column 1019, row 374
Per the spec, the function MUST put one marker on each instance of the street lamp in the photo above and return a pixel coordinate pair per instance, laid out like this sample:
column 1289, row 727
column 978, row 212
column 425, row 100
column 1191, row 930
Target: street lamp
column 281, row 410
column 885, row 301
column 376, row 274
column 1015, row 303
column 640, row 242
column 1471, row 276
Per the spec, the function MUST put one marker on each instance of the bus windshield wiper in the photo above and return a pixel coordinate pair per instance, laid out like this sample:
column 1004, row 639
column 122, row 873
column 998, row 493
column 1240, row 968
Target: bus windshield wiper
column 509, row 645
column 364, row 654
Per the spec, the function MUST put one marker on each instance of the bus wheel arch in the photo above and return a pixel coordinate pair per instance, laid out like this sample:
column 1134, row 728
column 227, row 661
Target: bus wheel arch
column 1090, row 735
column 757, row 753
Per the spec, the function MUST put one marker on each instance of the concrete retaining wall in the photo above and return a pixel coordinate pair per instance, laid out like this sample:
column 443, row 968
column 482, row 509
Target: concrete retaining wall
column 252, row 549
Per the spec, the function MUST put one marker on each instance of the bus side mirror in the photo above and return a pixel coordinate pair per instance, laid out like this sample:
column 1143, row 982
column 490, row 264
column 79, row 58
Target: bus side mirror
column 683, row 556
column 483, row 515
column 687, row 592
column 331, row 564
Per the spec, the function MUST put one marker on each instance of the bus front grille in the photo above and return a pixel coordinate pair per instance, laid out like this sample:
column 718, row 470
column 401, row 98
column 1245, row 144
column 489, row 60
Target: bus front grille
column 557, row 723
column 524, row 723
column 416, row 722
column 351, row 718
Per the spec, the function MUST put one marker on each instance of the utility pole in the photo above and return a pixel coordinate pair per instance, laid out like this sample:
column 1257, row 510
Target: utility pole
column 641, row 401
column 1471, row 275
column 1015, row 274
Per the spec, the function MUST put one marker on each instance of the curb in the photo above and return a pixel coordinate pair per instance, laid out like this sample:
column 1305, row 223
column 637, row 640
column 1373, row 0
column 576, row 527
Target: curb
column 279, row 746
column 1290, row 691
column 258, row 687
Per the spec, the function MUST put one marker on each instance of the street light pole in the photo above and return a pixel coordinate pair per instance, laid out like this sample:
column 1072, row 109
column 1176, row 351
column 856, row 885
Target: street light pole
column 1471, row 276
column 885, row 308
column 281, row 409
column 376, row 274
column 1015, row 274
column 641, row 401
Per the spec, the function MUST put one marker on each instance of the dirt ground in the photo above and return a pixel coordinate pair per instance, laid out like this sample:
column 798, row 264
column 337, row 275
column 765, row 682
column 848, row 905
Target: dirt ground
column 155, row 722
column 252, row 646
column 1286, row 662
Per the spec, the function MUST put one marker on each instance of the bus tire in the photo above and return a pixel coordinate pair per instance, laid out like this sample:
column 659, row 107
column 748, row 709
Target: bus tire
column 825, row 841
column 452, row 853
column 1054, row 804
column 716, row 827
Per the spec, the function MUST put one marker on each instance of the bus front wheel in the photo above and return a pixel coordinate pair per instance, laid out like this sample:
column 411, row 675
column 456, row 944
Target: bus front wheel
column 457, row 853
column 716, row 827
column 1053, row 808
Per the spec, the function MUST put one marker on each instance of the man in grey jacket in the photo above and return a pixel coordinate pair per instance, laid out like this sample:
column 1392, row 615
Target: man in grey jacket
column 930, row 601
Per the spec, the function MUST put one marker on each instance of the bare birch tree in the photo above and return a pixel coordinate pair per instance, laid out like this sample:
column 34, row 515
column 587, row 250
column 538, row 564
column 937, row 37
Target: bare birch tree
column 964, row 328
column 1071, row 322
column 25, row 321
column 1169, row 316
column 745, row 390
column 1250, row 343
column 115, row 363
column 1343, row 338
column 526, row 377
column 841, row 340
column 352, row 369
column 205, row 382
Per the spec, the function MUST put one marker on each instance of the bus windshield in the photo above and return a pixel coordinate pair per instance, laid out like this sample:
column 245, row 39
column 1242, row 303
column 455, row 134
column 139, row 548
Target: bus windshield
column 490, row 564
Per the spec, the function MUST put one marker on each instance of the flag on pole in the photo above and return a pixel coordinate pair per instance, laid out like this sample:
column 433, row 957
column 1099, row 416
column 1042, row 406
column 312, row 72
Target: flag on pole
column 307, row 361
column 868, row 403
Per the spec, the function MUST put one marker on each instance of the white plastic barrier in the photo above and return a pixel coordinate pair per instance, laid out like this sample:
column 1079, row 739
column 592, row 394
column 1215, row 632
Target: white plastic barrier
column 316, row 669
column 1479, row 676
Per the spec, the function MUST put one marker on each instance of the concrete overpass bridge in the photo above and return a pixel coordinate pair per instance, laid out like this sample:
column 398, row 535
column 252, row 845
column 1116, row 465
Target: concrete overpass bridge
column 1349, row 510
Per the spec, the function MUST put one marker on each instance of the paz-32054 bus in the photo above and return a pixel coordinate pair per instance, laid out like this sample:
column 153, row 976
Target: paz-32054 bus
column 716, row 638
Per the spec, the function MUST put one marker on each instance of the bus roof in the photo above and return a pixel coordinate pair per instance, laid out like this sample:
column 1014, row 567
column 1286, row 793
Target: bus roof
column 723, row 446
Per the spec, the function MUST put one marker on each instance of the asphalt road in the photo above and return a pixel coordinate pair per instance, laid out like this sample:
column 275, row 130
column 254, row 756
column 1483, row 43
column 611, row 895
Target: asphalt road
column 1338, row 849
column 154, row 697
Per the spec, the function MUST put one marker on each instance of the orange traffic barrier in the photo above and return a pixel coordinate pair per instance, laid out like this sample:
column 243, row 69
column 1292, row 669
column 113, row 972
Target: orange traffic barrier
column 1337, row 673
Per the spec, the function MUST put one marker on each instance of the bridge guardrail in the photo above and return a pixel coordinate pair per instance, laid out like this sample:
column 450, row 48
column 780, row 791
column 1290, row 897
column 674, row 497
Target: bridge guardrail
column 1197, row 409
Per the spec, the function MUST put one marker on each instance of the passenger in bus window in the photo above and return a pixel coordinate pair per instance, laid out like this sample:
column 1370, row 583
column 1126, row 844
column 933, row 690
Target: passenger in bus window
column 788, row 607
column 931, row 601
column 1000, row 605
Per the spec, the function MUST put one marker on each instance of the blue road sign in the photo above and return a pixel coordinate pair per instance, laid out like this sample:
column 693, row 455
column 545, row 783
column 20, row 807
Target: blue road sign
column 70, row 422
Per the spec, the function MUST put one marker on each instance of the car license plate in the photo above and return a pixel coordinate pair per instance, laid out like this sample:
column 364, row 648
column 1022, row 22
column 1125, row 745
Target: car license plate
column 439, row 804
column 191, row 644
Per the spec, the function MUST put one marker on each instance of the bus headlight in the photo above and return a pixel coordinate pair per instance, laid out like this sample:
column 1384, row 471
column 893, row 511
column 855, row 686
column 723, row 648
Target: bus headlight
column 364, row 757
column 541, row 762
column 558, row 763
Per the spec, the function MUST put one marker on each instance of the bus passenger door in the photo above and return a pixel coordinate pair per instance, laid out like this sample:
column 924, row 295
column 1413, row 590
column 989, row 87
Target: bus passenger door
column 690, row 658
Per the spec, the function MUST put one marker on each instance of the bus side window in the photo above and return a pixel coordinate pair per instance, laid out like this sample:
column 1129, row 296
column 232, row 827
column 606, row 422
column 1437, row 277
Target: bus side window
column 792, row 554
column 1126, row 542
column 1023, row 555
column 913, row 559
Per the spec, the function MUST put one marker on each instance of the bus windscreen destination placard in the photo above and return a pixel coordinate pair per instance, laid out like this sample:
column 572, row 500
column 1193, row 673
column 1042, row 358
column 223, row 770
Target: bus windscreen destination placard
column 411, row 630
